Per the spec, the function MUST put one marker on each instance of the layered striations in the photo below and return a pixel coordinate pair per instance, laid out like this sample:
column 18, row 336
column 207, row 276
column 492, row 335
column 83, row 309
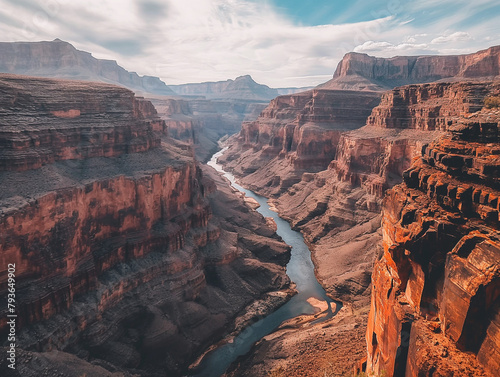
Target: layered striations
column 123, row 255
column 338, row 211
column 44, row 120
column 435, row 292
column 203, row 122
column 295, row 134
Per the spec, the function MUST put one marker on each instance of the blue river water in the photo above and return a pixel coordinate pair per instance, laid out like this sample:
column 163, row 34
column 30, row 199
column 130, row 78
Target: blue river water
column 300, row 269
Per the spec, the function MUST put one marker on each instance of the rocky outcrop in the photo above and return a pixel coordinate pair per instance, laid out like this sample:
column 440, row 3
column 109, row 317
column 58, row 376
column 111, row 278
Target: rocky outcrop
column 376, row 155
column 435, row 302
column 126, row 254
column 179, row 119
column 295, row 134
column 60, row 59
column 243, row 87
column 363, row 72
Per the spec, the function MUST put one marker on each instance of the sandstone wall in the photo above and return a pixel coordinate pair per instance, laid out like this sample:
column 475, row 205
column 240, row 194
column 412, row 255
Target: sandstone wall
column 435, row 297
column 45, row 120
column 295, row 134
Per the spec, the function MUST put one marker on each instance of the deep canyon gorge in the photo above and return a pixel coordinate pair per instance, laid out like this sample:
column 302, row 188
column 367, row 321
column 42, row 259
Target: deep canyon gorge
column 135, row 258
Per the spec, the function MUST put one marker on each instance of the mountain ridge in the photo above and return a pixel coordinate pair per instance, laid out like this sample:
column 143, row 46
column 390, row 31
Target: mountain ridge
column 243, row 87
column 60, row 59
column 358, row 71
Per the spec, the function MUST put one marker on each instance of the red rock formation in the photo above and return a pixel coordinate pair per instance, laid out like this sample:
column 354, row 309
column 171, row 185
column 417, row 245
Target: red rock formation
column 435, row 293
column 123, row 255
column 203, row 122
column 362, row 72
column 179, row 118
column 294, row 134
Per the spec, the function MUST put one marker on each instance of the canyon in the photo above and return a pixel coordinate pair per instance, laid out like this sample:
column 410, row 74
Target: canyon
column 332, row 187
column 130, row 258
column 133, row 258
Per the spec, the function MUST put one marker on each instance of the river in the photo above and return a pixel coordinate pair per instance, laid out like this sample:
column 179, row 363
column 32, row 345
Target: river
column 300, row 269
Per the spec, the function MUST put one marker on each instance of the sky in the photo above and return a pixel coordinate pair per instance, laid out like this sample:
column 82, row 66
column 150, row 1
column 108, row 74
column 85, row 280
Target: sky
column 280, row 43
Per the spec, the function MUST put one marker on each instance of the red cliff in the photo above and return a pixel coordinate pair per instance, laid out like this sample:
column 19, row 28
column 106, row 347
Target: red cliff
column 435, row 300
column 295, row 134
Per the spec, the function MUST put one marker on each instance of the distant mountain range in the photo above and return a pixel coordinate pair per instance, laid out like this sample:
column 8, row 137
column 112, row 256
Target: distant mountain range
column 355, row 72
column 363, row 72
column 62, row 60
column 243, row 87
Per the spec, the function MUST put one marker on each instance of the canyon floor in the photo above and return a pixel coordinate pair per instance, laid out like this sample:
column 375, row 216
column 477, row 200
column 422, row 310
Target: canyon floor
column 302, row 348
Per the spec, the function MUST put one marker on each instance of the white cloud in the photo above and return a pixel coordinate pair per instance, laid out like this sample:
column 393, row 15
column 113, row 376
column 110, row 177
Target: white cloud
column 458, row 36
column 387, row 49
column 201, row 40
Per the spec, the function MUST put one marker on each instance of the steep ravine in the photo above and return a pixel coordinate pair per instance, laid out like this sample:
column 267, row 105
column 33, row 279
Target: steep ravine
column 130, row 259
column 311, row 300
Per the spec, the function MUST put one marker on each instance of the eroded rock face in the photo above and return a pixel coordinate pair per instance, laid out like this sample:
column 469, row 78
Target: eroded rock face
column 435, row 291
column 363, row 72
column 329, row 183
column 126, row 254
column 202, row 122
column 295, row 134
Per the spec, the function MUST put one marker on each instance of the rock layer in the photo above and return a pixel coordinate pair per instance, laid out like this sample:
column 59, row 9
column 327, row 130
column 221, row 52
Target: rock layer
column 203, row 122
column 123, row 255
column 435, row 301
column 295, row 134
column 44, row 120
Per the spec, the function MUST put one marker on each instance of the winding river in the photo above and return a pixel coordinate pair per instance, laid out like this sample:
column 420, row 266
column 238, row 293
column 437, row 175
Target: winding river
column 300, row 269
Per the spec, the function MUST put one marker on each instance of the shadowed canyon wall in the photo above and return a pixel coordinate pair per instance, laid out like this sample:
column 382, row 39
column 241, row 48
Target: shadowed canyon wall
column 203, row 122
column 128, row 258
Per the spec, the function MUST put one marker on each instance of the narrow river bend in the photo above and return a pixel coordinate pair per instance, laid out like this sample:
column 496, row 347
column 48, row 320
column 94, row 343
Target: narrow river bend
column 300, row 269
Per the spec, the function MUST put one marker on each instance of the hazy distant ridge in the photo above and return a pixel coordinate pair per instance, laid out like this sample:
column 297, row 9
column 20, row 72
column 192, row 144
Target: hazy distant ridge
column 60, row 59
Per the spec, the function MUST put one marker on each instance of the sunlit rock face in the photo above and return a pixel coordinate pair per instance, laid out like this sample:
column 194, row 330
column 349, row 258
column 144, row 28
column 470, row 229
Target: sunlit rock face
column 436, row 289
column 126, row 254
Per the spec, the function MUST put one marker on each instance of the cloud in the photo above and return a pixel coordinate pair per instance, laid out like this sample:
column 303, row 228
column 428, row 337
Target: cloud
column 387, row 49
column 206, row 40
column 458, row 36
